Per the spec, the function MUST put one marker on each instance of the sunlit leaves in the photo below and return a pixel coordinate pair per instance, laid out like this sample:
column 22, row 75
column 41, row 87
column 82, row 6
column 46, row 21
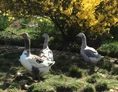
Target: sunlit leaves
column 83, row 15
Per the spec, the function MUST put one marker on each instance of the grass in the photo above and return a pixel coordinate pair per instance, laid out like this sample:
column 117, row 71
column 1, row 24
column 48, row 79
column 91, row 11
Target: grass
column 69, row 74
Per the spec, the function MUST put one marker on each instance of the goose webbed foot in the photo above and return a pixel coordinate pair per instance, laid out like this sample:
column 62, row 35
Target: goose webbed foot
column 36, row 76
column 19, row 74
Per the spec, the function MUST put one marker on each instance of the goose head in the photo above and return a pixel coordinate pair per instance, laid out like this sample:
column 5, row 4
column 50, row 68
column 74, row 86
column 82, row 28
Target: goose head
column 83, row 38
column 45, row 35
column 24, row 35
column 81, row 35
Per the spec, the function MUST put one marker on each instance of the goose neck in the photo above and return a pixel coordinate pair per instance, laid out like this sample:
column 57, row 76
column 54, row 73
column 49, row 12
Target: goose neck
column 84, row 42
column 27, row 45
column 45, row 45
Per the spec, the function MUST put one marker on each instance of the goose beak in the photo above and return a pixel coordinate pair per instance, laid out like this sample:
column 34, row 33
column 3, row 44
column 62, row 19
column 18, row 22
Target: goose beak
column 77, row 35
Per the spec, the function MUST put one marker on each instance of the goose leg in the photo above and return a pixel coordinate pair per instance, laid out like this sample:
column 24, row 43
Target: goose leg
column 35, row 72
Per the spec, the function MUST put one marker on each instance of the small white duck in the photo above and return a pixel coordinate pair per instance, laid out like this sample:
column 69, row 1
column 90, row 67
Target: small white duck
column 33, row 63
column 46, row 53
column 89, row 54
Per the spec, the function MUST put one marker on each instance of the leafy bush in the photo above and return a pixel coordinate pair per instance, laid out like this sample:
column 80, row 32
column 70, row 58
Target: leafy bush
column 3, row 22
column 101, row 86
column 88, row 88
column 108, row 65
column 109, row 48
column 91, row 80
column 14, row 85
column 115, row 70
column 64, row 89
column 75, row 72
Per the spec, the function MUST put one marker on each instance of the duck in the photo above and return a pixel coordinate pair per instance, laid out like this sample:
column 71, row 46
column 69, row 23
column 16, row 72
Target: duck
column 46, row 53
column 90, row 55
column 33, row 63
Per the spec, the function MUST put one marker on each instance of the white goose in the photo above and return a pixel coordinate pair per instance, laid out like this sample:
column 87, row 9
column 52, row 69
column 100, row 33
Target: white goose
column 46, row 53
column 89, row 54
column 33, row 63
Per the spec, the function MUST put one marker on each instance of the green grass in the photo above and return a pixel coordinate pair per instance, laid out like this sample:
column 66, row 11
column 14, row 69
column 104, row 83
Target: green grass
column 69, row 74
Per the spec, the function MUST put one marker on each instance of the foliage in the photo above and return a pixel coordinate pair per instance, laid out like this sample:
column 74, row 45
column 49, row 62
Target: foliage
column 109, row 48
column 3, row 22
column 108, row 65
column 101, row 86
column 115, row 70
column 69, row 16
column 114, row 32
column 91, row 80
column 35, row 27
column 75, row 72
column 88, row 88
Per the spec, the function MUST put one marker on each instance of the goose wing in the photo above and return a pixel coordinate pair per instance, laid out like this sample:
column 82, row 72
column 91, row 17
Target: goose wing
column 34, row 60
column 91, row 52
column 46, row 54
column 38, row 59
column 50, row 55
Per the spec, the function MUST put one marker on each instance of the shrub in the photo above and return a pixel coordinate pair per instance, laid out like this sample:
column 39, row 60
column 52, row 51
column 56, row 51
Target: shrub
column 109, row 48
column 115, row 70
column 64, row 89
column 3, row 22
column 88, row 88
column 75, row 72
column 101, row 86
column 14, row 85
column 108, row 65
column 91, row 80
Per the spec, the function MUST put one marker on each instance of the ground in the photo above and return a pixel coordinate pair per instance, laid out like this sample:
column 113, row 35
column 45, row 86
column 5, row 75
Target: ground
column 69, row 74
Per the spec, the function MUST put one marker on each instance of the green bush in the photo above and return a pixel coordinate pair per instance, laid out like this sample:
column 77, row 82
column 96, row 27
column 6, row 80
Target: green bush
column 88, row 88
column 91, row 80
column 64, row 89
column 115, row 70
column 3, row 22
column 108, row 65
column 109, row 48
column 14, row 85
column 101, row 86
column 75, row 72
